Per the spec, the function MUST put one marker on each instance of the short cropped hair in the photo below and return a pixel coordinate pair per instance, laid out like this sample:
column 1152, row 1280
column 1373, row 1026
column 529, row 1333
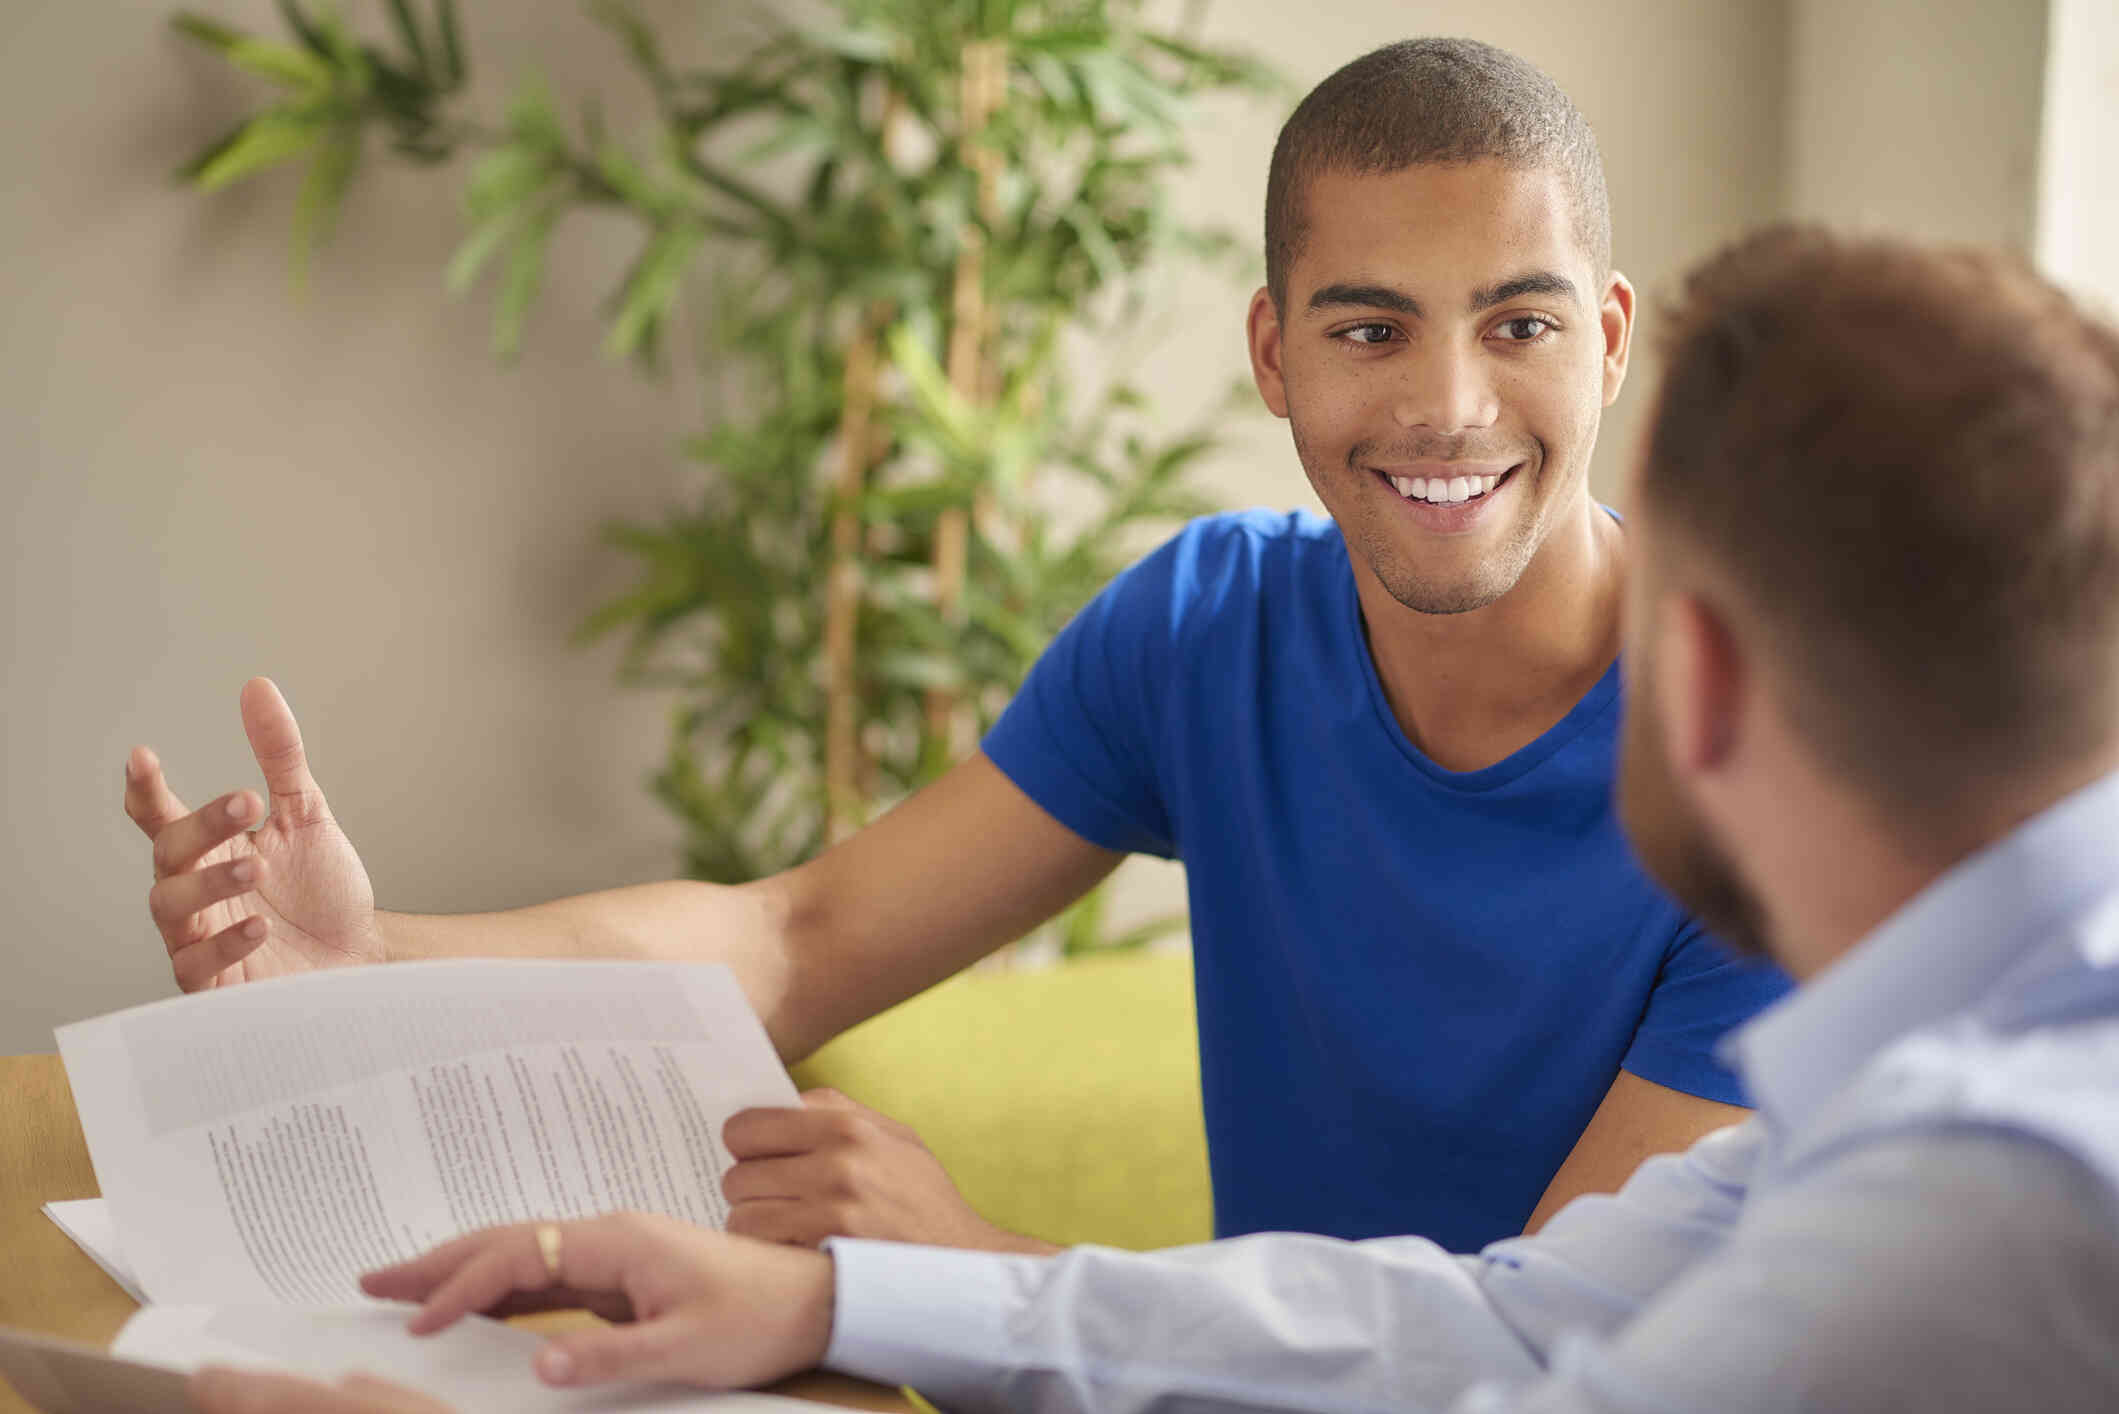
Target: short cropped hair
column 1904, row 462
column 1425, row 101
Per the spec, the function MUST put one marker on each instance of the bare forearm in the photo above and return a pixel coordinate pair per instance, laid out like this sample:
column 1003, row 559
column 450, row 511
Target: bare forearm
column 679, row 920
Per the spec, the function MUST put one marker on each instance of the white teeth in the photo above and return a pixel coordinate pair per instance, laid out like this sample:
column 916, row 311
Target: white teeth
column 1443, row 490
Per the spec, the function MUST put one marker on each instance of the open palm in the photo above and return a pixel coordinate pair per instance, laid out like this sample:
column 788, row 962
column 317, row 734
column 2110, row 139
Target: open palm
column 235, row 904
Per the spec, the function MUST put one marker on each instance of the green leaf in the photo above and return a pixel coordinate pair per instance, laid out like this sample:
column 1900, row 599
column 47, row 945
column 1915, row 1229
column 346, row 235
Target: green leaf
column 282, row 63
column 640, row 41
column 651, row 290
column 532, row 118
column 452, row 50
column 919, row 670
column 930, row 387
column 871, row 46
column 210, row 33
column 415, row 43
column 304, row 29
column 1096, row 243
column 525, row 271
column 323, row 192
column 477, row 248
column 505, row 178
column 265, row 141
column 189, row 172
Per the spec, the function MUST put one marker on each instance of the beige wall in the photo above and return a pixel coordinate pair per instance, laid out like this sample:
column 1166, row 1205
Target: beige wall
column 1921, row 115
column 205, row 478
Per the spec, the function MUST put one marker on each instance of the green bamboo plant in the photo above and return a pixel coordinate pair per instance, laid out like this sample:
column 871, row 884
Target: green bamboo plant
column 884, row 228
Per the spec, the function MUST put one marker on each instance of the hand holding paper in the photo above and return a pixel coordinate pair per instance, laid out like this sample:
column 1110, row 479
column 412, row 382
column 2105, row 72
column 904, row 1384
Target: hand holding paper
column 695, row 1306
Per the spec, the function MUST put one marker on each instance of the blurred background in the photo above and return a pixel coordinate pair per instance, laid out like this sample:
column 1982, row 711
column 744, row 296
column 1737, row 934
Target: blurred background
column 208, row 475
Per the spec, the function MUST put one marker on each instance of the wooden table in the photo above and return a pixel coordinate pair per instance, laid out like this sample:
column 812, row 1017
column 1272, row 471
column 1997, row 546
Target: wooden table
column 50, row 1286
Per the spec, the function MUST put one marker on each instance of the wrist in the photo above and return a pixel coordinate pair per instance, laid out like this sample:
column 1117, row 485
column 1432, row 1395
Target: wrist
column 389, row 943
column 816, row 1307
column 1021, row 1244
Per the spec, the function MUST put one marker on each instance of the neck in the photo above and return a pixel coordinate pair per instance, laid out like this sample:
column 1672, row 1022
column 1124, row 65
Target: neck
column 1470, row 689
column 1846, row 864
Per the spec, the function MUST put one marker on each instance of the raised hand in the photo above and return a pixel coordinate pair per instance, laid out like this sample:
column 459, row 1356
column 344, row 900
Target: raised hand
column 835, row 1168
column 691, row 1304
column 236, row 904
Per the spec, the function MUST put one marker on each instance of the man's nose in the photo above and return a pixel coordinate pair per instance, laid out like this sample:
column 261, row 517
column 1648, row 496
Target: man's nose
column 1445, row 389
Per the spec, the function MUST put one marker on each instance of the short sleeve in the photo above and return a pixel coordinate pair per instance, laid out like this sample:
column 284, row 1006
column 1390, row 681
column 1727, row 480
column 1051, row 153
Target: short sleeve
column 1702, row 992
column 1080, row 737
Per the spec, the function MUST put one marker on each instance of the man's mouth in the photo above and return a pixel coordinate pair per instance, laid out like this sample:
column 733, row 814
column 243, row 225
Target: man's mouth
column 1445, row 490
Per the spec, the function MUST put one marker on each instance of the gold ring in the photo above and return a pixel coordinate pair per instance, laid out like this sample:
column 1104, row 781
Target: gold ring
column 548, row 1248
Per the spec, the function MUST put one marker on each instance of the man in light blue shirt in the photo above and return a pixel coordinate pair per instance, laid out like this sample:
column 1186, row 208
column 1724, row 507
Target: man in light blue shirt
column 1873, row 730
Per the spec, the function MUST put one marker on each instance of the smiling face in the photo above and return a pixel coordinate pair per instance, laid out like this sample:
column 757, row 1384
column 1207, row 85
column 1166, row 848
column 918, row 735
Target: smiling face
column 1444, row 356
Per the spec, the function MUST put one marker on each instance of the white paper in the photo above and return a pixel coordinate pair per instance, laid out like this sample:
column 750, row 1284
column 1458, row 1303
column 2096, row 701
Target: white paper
column 87, row 1222
column 476, row 1364
column 264, row 1144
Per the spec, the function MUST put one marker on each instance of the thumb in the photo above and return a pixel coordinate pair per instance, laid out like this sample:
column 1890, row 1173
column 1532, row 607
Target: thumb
column 643, row 1350
column 277, row 743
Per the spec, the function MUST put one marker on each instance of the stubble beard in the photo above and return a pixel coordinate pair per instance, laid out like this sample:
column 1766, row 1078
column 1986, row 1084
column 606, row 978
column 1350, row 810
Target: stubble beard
column 1422, row 590
column 1674, row 844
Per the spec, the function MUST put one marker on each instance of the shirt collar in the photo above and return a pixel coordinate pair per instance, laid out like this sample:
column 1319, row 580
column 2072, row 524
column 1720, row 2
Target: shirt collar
column 1941, row 953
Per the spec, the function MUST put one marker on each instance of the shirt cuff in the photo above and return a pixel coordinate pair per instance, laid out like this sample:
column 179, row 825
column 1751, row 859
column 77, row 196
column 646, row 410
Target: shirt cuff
column 935, row 1318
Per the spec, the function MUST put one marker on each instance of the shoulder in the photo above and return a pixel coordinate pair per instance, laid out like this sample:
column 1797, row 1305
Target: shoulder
column 1912, row 1242
column 1916, row 1270
column 2055, row 1083
column 1239, row 554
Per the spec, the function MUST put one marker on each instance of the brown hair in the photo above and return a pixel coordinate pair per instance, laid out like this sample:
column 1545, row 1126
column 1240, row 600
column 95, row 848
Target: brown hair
column 1904, row 461
column 1431, row 100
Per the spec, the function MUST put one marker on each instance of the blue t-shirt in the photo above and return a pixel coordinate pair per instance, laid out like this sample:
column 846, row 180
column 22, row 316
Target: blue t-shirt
column 1415, row 985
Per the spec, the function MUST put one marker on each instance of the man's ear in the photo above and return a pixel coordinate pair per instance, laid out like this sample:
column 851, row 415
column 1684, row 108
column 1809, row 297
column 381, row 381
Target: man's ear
column 1700, row 684
column 1263, row 326
column 1615, row 316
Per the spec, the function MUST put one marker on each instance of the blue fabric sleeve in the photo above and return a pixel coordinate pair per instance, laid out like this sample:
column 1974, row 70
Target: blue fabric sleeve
column 1703, row 991
column 1080, row 737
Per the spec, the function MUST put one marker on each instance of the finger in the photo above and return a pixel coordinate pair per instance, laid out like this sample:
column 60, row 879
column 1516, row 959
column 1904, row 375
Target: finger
column 197, row 964
column 827, row 1099
column 185, row 840
column 498, row 1272
column 797, row 1176
column 766, row 1132
column 790, row 1222
column 416, row 1279
column 377, row 1393
column 611, row 1305
column 218, row 1389
column 277, row 743
column 148, row 799
column 413, row 1281
column 645, row 1350
column 593, row 1256
column 176, row 902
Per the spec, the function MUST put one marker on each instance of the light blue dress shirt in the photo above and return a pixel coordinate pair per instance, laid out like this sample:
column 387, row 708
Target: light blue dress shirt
column 1923, row 1215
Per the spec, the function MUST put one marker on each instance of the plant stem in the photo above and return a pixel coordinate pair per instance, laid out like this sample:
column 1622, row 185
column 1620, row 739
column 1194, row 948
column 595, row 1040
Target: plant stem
column 845, row 790
column 984, row 86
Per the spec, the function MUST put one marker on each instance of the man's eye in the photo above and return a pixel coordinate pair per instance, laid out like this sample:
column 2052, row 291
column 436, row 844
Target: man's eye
column 1526, row 329
column 1367, row 334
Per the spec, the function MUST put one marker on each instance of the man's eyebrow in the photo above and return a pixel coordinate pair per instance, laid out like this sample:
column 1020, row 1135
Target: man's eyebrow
column 1536, row 282
column 1365, row 297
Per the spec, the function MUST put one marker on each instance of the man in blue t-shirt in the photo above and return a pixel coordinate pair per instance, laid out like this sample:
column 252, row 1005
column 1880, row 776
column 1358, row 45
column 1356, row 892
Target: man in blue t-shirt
column 1436, row 994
